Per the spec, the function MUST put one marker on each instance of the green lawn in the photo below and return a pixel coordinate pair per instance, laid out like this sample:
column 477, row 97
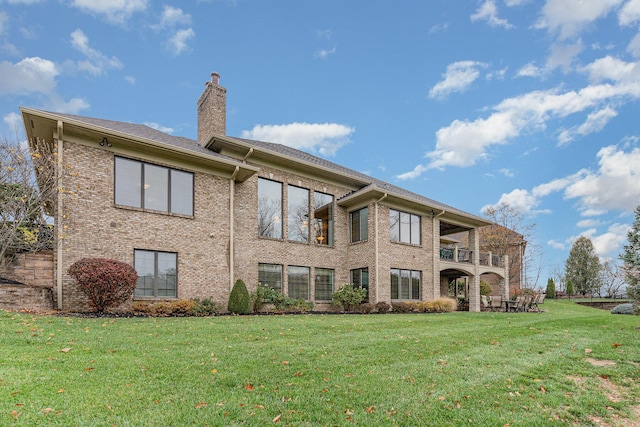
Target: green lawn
column 481, row 369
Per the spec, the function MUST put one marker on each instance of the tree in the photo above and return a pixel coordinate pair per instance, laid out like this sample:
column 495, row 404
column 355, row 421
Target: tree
column 512, row 235
column 569, row 290
column 582, row 267
column 28, row 187
column 631, row 259
column 612, row 279
column 551, row 289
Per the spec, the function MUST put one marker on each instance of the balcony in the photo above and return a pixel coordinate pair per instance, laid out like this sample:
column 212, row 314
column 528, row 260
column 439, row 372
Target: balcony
column 455, row 254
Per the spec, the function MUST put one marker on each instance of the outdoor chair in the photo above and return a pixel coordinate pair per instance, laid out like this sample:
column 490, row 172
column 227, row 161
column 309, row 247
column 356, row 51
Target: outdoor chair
column 517, row 305
column 539, row 299
column 526, row 305
column 485, row 302
column 496, row 302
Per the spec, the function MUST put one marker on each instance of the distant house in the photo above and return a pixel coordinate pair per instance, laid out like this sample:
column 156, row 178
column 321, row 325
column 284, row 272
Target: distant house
column 194, row 216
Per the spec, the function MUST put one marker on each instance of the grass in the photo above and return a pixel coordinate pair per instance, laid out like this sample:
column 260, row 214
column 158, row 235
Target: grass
column 481, row 369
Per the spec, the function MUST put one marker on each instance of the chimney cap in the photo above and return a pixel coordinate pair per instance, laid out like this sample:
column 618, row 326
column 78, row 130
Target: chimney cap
column 215, row 78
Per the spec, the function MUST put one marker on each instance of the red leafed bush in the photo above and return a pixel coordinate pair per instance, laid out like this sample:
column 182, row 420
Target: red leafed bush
column 106, row 282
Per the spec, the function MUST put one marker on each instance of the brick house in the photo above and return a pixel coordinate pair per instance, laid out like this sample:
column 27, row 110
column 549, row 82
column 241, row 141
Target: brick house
column 194, row 216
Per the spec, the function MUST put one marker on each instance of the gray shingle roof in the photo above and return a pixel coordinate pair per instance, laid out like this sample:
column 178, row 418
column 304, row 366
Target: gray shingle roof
column 146, row 132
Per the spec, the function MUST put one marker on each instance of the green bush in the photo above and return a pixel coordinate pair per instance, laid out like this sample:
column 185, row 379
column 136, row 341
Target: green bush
column 382, row 307
column 349, row 297
column 626, row 308
column 239, row 299
column 206, row 307
column 551, row 289
column 485, row 288
column 260, row 297
column 106, row 282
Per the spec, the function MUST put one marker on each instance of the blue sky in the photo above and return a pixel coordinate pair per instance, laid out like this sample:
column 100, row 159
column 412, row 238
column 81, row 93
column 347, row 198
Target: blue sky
column 471, row 103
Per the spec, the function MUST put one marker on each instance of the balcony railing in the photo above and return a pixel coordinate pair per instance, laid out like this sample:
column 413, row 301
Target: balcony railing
column 467, row 256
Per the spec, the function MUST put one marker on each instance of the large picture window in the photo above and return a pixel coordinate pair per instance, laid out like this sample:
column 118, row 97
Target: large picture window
column 157, row 273
column 324, row 284
column 298, row 279
column 323, row 218
column 158, row 188
column 298, row 214
column 404, row 227
column 270, row 275
column 360, row 279
column 269, row 208
column 405, row 284
column 358, row 222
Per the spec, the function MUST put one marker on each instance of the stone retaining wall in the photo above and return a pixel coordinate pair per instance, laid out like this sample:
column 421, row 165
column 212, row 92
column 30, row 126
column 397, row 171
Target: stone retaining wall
column 31, row 282
column 25, row 297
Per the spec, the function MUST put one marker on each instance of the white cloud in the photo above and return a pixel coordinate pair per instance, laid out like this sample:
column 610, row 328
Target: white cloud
column 530, row 70
column 562, row 56
column 569, row 18
column 507, row 172
column 489, row 12
column 324, row 53
column 4, row 22
column 614, row 186
column 595, row 123
column 130, row 79
column 96, row 63
column 158, row 126
column 416, row 172
column 30, row 75
column 556, row 245
column 463, row 143
column 629, row 13
column 178, row 42
column 588, row 223
column 114, row 11
column 324, row 139
column 13, row 121
column 610, row 68
column 56, row 103
column 458, row 77
column 634, row 46
column 172, row 17
column 609, row 242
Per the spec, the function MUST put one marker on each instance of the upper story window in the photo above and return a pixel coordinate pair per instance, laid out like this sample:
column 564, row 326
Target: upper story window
column 323, row 218
column 298, row 214
column 404, row 227
column 359, row 226
column 269, row 208
column 146, row 186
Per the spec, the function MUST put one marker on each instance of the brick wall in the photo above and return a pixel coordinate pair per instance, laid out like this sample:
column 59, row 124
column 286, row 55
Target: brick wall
column 92, row 226
column 34, row 269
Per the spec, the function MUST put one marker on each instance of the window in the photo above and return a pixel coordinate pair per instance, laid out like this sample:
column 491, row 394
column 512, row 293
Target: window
column 404, row 227
column 405, row 284
column 298, row 214
column 360, row 279
column 324, row 284
column 269, row 208
column 323, row 218
column 146, row 186
column 270, row 275
column 298, row 279
column 359, row 225
column 157, row 273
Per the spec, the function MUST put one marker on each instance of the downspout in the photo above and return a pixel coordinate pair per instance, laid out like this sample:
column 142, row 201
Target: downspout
column 375, row 215
column 231, row 228
column 59, row 215
column 246, row 156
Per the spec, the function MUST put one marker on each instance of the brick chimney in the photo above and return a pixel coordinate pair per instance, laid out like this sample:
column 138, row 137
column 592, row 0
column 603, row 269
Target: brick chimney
column 212, row 110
